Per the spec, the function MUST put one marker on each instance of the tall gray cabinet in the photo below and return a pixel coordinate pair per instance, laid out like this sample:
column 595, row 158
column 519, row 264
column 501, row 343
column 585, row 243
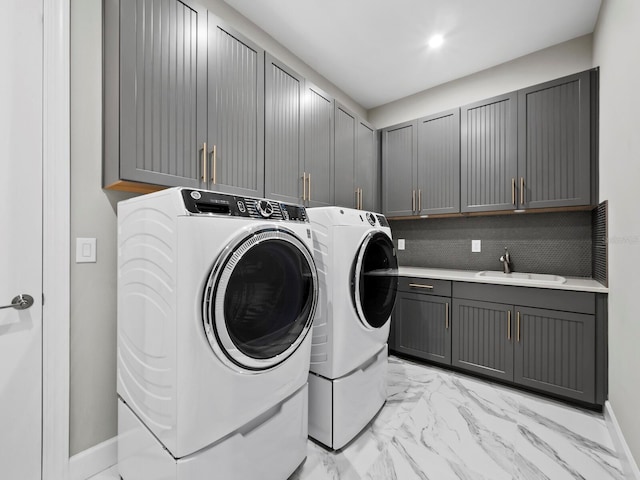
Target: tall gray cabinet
column 235, row 111
column 318, row 189
column 155, row 110
column 400, row 156
column 284, row 132
column 367, row 166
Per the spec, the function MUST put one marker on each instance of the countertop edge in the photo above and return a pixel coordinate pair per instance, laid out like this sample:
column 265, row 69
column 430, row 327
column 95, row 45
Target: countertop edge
column 572, row 284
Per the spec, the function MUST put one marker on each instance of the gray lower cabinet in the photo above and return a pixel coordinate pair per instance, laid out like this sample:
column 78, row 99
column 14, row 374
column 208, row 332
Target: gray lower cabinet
column 424, row 329
column 318, row 174
column 555, row 352
column 235, row 111
column 554, row 143
column 400, row 156
column 541, row 339
column 481, row 338
column 488, row 154
column 284, row 132
column 155, row 111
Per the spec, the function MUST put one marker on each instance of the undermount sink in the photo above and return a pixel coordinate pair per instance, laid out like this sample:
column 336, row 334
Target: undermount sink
column 522, row 277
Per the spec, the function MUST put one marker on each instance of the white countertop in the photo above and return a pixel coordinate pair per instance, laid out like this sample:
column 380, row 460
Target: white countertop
column 577, row 284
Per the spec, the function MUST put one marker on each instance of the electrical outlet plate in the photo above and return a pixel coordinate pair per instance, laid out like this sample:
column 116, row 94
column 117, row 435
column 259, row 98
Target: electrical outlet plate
column 85, row 250
column 401, row 244
column 476, row 246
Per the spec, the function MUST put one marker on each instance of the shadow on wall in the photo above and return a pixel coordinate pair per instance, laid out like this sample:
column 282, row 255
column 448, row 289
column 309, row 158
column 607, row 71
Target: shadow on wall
column 554, row 243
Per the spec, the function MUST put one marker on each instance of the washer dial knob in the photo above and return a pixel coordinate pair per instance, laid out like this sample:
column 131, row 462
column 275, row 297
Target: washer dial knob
column 371, row 219
column 264, row 208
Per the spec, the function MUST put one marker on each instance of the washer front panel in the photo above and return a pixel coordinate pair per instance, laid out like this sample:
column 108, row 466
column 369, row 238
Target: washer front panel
column 374, row 280
column 260, row 299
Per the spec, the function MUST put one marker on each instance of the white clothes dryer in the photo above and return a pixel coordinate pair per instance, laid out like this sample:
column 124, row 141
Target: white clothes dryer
column 216, row 296
column 358, row 275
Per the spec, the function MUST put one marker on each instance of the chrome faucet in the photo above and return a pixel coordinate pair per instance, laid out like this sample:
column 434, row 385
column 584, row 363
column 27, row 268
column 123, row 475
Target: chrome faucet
column 507, row 266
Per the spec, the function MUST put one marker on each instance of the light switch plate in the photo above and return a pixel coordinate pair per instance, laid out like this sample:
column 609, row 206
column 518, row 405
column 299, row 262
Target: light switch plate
column 401, row 244
column 85, row 250
column 476, row 246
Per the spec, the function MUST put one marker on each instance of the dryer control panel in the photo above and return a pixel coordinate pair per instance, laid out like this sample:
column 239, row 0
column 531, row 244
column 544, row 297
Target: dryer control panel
column 204, row 202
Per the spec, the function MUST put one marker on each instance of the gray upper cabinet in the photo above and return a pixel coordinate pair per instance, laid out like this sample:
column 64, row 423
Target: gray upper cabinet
column 439, row 163
column 318, row 146
column 284, row 132
column 555, row 352
column 155, row 97
column 235, row 111
column 367, row 166
column 399, row 169
column 346, row 122
column 554, row 144
column 488, row 154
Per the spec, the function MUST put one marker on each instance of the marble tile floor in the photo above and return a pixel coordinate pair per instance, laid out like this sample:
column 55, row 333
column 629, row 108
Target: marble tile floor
column 440, row 425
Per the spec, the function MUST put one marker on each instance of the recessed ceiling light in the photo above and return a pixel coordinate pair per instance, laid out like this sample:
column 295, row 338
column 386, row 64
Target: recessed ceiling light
column 436, row 41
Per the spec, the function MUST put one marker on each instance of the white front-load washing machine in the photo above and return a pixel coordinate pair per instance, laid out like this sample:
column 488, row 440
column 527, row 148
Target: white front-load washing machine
column 216, row 296
column 358, row 275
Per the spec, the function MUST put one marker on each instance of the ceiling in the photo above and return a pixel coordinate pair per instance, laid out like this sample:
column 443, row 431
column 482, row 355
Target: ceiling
column 376, row 50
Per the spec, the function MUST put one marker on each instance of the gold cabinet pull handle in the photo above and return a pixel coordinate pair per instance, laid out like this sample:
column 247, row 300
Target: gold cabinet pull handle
column 309, row 191
column 420, row 285
column 413, row 200
column 521, row 191
column 361, row 206
column 214, row 177
column 304, row 186
column 513, row 191
column 446, row 324
column 508, row 324
column 419, row 200
column 204, row 162
column 518, row 326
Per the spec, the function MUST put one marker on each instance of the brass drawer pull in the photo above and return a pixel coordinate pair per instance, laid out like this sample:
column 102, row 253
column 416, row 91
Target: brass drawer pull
column 419, row 200
column 204, row 162
column 513, row 191
column 521, row 191
column 508, row 324
column 214, row 177
column 518, row 327
column 420, row 285
column 413, row 200
column 446, row 324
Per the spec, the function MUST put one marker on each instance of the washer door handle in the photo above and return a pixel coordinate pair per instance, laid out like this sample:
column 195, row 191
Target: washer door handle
column 20, row 302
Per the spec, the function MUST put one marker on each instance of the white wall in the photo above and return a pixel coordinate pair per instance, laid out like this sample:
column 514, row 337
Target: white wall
column 615, row 49
column 93, row 417
column 553, row 62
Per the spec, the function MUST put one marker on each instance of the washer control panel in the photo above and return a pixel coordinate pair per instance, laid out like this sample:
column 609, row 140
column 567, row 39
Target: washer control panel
column 203, row 202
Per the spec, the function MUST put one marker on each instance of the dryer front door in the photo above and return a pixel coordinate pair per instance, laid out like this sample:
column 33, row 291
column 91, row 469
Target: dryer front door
column 260, row 299
column 374, row 280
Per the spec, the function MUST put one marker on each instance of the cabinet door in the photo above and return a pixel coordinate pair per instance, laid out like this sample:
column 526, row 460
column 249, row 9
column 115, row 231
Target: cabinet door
column 235, row 111
column 422, row 327
column 160, row 67
column 368, row 166
column 439, row 163
column 482, row 338
column 399, row 160
column 345, row 157
column 488, row 154
column 318, row 147
column 555, row 352
column 554, row 143
column 284, row 132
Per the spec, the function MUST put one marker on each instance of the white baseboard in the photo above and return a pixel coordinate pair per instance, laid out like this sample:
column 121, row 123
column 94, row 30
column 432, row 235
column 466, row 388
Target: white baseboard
column 629, row 466
column 94, row 460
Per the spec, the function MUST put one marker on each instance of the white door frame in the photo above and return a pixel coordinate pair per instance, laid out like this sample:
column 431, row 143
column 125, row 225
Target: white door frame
column 56, row 240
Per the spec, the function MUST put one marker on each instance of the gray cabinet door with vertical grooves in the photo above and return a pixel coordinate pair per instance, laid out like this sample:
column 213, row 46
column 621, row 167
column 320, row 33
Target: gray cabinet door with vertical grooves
column 488, row 154
column 235, row 111
column 318, row 147
column 481, row 340
column 555, row 352
column 162, row 92
column 421, row 327
column 345, row 157
column 368, row 166
column 284, row 131
column 399, row 158
column 554, row 144
column 439, row 163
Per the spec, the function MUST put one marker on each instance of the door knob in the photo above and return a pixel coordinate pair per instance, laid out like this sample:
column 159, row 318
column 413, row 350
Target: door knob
column 21, row 302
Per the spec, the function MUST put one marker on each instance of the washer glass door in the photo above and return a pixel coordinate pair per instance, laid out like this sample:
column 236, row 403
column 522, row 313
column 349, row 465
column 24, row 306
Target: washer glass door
column 374, row 279
column 260, row 299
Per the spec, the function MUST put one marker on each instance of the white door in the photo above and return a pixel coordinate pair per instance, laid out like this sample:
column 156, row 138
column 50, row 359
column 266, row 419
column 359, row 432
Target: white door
column 21, row 84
